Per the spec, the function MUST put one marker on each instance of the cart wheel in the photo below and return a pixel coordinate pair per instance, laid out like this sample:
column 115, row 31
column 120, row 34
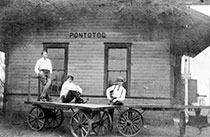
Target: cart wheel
column 80, row 124
column 130, row 122
column 36, row 118
column 54, row 117
column 102, row 123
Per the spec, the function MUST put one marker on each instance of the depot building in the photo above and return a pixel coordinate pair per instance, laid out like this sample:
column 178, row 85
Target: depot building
column 96, row 51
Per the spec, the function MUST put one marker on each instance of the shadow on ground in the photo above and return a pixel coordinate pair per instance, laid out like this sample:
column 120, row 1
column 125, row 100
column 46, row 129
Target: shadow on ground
column 13, row 125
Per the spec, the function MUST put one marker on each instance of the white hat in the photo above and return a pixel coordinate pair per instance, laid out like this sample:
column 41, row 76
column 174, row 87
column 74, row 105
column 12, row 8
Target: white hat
column 120, row 79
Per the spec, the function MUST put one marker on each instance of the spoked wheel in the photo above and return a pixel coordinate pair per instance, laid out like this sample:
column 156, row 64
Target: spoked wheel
column 80, row 124
column 102, row 123
column 36, row 118
column 130, row 122
column 54, row 117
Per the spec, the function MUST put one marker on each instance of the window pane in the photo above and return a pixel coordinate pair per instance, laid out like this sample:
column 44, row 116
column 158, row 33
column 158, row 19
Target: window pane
column 117, row 59
column 56, row 53
column 117, row 54
column 58, row 75
column 57, row 64
column 57, row 78
column 117, row 65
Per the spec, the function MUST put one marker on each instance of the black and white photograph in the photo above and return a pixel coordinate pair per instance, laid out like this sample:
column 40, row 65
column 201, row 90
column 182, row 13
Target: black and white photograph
column 104, row 68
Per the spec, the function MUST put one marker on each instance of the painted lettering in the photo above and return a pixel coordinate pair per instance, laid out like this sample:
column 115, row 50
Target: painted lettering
column 89, row 35
column 103, row 35
column 71, row 34
column 98, row 35
column 79, row 35
column 85, row 34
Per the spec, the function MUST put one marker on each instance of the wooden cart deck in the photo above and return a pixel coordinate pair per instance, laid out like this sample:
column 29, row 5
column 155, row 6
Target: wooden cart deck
column 67, row 106
column 106, row 106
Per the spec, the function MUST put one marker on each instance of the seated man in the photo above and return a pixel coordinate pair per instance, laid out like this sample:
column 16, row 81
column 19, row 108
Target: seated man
column 116, row 93
column 69, row 91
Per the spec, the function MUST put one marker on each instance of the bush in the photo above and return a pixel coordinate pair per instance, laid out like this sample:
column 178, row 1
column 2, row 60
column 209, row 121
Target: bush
column 22, row 15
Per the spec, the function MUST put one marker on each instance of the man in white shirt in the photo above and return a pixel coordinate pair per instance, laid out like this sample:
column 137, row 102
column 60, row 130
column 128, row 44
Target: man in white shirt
column 116, row 93
column 43, row 69
column 69, row 91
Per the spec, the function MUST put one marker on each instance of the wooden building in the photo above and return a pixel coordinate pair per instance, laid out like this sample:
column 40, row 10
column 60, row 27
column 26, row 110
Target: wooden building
column 95, row 50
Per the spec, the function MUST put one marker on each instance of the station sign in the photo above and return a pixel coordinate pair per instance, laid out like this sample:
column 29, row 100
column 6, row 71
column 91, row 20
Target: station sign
column 87, row 35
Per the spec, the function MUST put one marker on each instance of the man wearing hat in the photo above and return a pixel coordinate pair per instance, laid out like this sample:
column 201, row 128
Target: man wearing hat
column 69, row 91
column 116, row 93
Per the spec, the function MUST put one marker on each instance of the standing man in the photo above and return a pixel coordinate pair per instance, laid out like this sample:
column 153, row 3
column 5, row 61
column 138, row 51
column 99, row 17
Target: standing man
column 69, row 91
column 43, row 69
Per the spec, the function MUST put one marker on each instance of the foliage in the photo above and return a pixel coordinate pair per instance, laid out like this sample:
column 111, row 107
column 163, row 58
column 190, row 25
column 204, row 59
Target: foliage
column 23, row 15
column 184, row 31
column 20, row 16
column 4, row 3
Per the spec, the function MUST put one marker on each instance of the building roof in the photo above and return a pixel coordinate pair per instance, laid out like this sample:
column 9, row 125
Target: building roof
column 199, row 33
column 190, row 37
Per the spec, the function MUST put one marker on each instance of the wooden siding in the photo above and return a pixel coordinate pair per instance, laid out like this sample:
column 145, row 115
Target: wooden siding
column 150, row 58
column 150, row 70
column 86, row 63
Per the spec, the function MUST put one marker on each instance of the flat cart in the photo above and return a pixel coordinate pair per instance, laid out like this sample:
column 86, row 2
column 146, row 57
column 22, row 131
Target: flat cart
column 96, row 118
column 85, row 117
column 90, row 117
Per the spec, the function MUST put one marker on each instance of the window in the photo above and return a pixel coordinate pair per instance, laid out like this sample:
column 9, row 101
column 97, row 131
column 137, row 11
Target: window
column 117, row 63
column 58, row 54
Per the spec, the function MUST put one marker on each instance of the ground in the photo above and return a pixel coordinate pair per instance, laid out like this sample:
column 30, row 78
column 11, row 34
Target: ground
column 16, row 126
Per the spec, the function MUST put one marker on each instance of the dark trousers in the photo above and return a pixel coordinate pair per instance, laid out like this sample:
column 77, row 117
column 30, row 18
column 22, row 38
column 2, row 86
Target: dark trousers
column 111, row 111
column 45, row 79
column 70, row 96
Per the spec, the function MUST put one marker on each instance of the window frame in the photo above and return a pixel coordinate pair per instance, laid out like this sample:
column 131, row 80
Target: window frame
column 114, row 45
column 64, row 46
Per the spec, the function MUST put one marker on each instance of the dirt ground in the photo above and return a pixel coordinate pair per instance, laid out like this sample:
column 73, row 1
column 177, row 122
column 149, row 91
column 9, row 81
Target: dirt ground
column 16, row 126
